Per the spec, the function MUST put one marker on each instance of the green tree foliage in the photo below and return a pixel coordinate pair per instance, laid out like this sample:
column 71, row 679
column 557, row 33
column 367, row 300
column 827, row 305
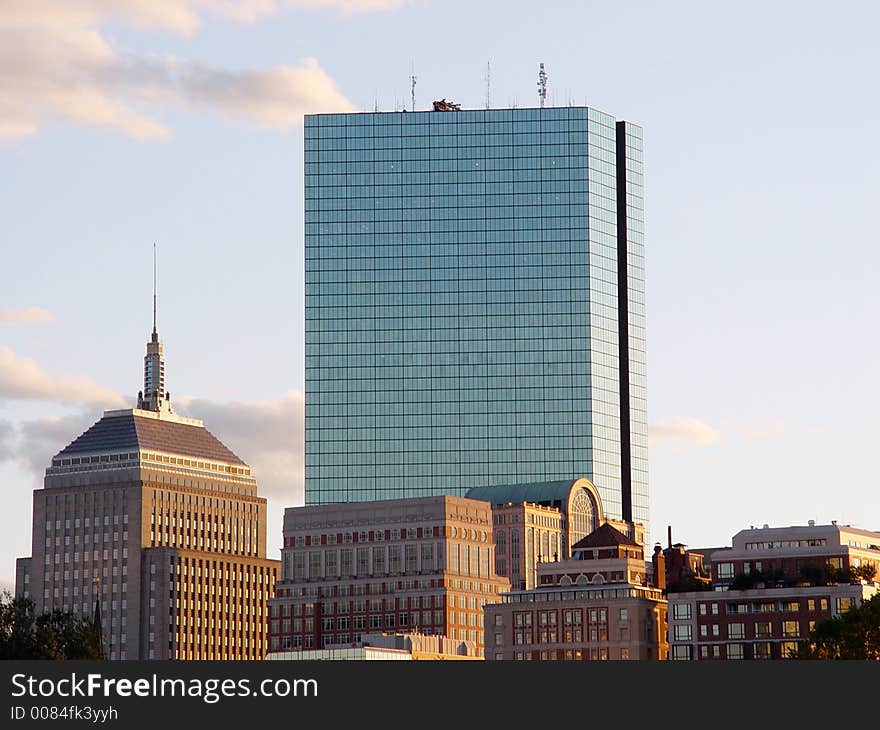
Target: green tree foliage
column 855, row 634
column 865, row 572
column 25, row 634
column 757, row 579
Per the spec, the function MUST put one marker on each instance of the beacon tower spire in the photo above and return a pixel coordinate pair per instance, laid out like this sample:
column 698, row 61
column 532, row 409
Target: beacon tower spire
column 154, row 397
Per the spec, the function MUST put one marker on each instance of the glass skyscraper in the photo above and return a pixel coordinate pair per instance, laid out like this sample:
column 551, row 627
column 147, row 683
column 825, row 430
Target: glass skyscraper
column 475, row 309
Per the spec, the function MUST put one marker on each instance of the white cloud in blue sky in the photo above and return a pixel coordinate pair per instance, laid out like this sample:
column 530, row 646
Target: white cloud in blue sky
column 26, row 315
column 58, row 63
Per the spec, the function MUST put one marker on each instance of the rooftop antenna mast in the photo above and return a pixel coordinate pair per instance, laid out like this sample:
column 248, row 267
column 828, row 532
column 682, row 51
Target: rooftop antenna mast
column 412, row 86
column 154, row 287
column 542, row 85
column 488, row 86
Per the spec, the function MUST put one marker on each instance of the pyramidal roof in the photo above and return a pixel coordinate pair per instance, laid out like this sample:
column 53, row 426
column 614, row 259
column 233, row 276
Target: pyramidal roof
column 604, row 536
column 136, row 430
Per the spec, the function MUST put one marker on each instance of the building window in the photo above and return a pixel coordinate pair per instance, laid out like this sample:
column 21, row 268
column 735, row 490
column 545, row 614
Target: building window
column 762, row 650
column 682, row 611
column 790, row 629
column 736, row 631
column 725, row 570
column 683, row 633
column 682, row 652
column 844, row 604
column 762, row 629
column 734, row 651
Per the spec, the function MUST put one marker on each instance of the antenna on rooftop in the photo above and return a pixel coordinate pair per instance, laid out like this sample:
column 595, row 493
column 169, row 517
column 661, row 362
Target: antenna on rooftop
column 488, row 87
column 542, row 85
column 412, row 85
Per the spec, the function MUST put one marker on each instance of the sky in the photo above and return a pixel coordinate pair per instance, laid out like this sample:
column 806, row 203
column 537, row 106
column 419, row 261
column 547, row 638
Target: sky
column 179, row 122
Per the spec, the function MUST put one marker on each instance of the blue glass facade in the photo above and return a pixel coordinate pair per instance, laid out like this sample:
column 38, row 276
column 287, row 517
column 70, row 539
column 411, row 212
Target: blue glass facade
column 463, row 318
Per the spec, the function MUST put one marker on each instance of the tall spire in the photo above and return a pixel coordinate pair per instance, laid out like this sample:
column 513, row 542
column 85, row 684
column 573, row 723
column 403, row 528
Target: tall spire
column 154, row 288
column 154, row 396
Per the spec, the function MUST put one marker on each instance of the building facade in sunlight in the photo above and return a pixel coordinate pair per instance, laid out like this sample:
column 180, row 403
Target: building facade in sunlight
column 475, row 308
column 148, row 514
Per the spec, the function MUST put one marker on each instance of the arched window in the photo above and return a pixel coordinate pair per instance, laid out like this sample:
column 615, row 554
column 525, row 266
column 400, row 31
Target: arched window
column 501, row 541
column 582, row 515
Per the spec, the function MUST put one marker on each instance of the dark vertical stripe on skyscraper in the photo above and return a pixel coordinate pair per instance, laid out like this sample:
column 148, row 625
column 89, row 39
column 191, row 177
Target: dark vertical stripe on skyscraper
column 623, row 327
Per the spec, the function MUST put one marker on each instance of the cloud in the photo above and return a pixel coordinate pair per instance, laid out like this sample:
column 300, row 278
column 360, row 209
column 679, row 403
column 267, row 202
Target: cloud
column 683, row 428
column 36, row 441
column 275, row 98
column 348, row 7
column 7, row 435
column 28, row 315
column 764, row 429
column 268, row 435
column 56, row 64
column 24, row 379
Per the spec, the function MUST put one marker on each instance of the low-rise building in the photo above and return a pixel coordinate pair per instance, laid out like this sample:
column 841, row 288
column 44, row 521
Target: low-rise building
column 422, row 565
column 770, row 588
column 595, row 605
column 383, row 646
column 539, row 522
column 802, row 553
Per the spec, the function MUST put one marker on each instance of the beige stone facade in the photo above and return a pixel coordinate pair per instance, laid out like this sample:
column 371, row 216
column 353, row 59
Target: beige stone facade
column 150, row 514
column 596, row 605
column 424, row 564
column 525, row 535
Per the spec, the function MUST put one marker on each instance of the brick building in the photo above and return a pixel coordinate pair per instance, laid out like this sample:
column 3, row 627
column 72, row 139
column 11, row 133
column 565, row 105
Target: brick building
column 771, row 587
column 595, row 605
column 424, row 564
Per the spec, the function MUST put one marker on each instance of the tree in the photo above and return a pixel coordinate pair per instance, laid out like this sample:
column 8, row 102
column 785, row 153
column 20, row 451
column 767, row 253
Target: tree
column 25, row 634
column 755, row 578
column 855, row 634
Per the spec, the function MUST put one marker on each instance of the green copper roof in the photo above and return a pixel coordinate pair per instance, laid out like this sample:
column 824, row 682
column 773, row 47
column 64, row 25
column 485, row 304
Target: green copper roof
column 555, row 493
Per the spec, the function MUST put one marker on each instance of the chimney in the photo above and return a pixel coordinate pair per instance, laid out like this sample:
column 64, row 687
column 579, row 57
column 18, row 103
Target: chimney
column 811, row 523
column 658, row 561
column 669, row 534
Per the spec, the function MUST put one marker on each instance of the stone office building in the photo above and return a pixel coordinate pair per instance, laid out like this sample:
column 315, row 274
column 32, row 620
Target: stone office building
column 424, row 564
column 150, row 514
